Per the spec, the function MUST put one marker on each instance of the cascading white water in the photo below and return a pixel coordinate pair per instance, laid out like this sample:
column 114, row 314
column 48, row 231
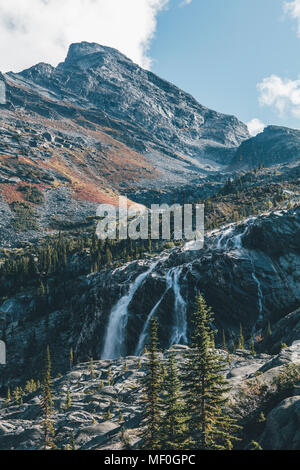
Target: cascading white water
column 179, row 328
column 260, row 295
column 224, row 237
column 115, row 341
column 143, row 335
column 228, row 240
column 114, row 346
column 238, row 239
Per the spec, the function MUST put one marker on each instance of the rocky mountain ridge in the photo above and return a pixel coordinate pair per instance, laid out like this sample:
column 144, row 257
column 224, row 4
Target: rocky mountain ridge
column 96, row 126
column 274, row 146
column 101, row 78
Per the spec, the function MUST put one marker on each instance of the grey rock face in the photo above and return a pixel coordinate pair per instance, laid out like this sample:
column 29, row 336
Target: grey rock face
column 275, row 145
column 93, row 428
column 163, row 116
column 245, row 279
column 286, row 331
column 244, row 282
column 287, row 355
column 283, row 426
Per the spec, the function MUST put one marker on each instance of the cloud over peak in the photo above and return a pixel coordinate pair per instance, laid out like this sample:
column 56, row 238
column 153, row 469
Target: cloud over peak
column 281, row 93
column 255, row 126
column 43, row 30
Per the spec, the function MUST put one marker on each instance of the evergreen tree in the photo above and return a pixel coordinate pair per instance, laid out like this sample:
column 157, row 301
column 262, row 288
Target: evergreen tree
column 108, row 256
column 8, row 397
column 71, row 358
column 206, row 389
column 47, row 404
column 32, row 267
column 152, row 390
column 241, row 340
column 73, row 442
column 252, row 346
column 224, row 344
column 92, row 368
column 68, row 401
column 173, row 427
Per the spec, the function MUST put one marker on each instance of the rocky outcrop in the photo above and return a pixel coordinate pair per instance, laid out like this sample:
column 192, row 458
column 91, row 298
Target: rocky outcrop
column 275, row 145
column 283, row 426
column 108, row 397
column 247, row 273
column 286, row 331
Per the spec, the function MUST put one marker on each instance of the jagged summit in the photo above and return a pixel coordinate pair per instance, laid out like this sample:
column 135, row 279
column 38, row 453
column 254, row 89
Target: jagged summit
column 84, row 50
column 39, row 69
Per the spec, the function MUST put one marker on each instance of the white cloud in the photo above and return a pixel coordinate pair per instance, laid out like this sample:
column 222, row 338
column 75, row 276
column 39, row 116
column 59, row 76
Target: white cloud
column 185, row 2
column 281, row 93
column 292, row 8
column 41, row 30
column 255, row 126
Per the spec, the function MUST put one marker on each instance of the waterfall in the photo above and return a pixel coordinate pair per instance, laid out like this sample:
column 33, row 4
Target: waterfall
column 143, row 335
column 179, row 333
column 260, row 300
column 224, row 235
column 238, row 239
column 114, row 346
column 228, row 240
column 115, row 340
column 179, row 328
column 260, row 295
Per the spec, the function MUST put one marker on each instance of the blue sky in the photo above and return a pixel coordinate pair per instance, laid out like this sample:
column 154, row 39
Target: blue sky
column 236, row 56
column 220, row 50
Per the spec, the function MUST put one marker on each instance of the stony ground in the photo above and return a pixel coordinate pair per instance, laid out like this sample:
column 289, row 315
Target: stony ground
column 109, row 398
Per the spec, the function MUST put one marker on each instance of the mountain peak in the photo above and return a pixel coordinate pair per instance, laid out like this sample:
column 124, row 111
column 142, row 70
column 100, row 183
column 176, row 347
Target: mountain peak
column 148, row 113
column 82, row 51
column 275, row 145
column 39, row 69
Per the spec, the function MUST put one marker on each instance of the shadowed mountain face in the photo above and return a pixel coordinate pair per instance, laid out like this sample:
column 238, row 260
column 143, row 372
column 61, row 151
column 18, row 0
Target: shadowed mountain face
column 276, row 145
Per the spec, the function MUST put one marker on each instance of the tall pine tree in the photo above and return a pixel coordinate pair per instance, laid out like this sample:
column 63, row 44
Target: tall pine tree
column 241, row 339
column 47, row 404
column 173, row 428
column 152, row 391
column 206, row 388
